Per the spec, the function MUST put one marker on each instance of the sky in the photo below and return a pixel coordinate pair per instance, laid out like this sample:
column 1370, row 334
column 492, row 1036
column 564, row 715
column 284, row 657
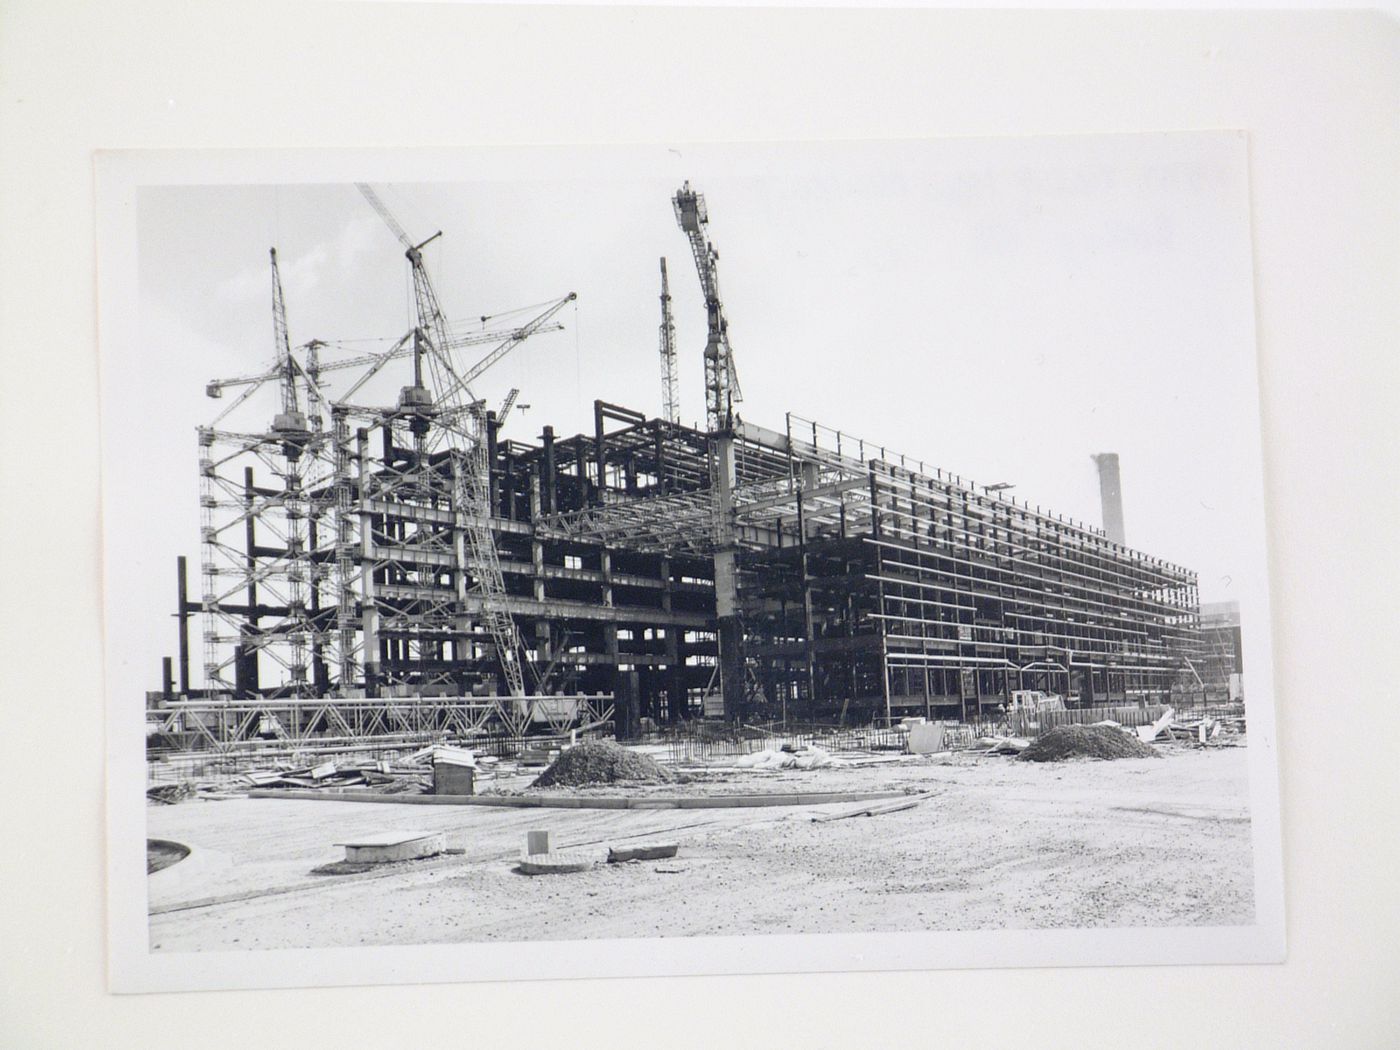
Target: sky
column 1000, row 308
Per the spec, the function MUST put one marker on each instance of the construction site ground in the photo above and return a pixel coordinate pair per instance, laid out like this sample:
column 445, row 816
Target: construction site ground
column 1002, row 844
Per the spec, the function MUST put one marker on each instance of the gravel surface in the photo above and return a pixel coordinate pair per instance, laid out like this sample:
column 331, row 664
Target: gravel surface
column 1003, row 845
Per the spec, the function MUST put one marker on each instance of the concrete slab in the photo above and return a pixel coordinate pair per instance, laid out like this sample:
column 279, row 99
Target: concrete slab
column 926, row 738
column 651, row 851
column 388, row 846
column 560, row 862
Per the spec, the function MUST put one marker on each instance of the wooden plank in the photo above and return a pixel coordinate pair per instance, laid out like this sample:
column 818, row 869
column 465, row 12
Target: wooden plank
column 876, row 810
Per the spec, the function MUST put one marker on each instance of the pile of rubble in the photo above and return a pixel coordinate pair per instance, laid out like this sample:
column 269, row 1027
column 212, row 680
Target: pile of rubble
column 1170, row 728
column 602, row 762
column 1094, row 741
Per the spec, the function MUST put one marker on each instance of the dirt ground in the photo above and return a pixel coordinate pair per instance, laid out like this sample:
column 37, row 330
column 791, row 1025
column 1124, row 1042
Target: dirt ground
column 1002, row 845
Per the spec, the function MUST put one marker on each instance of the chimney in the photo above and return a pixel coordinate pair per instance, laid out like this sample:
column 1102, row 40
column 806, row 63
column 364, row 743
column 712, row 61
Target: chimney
column 1110, row 495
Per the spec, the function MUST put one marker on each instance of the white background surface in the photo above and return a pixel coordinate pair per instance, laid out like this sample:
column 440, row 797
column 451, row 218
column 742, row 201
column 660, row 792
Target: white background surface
column 1317, row 92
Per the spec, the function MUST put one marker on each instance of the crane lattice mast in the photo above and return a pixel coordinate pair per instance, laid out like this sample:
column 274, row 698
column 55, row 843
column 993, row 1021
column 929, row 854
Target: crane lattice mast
column 292, row 427
column 670, row 400
column 472, row 484
column 281, row 341
column 721, row 379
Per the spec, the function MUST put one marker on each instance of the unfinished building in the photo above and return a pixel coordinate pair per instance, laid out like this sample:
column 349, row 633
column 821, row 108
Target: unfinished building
column 379, row 552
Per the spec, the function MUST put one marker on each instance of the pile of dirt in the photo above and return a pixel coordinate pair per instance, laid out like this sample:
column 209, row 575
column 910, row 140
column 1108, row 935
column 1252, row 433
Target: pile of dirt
column 161, row 854
column 602, row 762
column 1066, row 742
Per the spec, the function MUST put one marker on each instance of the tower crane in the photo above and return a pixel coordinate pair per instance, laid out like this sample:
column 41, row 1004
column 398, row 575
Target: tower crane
column 461, row 384
column 402, row 348
column 507, row 405
column 472, row 486
column 430, row 335
column 721, row 379
column 290, row 424
column 670, row 403
column 295, row 432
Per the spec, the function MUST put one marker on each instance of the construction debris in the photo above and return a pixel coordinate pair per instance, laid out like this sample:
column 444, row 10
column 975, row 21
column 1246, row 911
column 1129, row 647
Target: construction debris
column 408, row 775
column 876, row 810
column 1149, row 733
column 788, row 756
column 327, row 775
column 169, row 794
column 1066, row 742
column 1003, row 745
column 182, row 791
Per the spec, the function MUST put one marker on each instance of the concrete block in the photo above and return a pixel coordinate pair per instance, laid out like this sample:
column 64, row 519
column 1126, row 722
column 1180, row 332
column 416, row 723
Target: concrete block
column 449, row 778
column 561, row 862
column 389, row 846
column 654, row 851
column 536, row 842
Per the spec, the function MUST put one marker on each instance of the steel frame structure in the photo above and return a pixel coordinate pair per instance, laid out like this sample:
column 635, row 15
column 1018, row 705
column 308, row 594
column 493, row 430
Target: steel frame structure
column 357, row 572
column 376, row 552
column 868, row 578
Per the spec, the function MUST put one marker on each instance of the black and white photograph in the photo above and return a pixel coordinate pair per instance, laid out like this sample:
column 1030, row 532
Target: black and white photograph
column 697, row 524
column 518, row 581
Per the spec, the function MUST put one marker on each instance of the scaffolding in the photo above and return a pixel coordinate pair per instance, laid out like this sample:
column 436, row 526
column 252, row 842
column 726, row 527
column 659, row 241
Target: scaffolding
column 350, row 545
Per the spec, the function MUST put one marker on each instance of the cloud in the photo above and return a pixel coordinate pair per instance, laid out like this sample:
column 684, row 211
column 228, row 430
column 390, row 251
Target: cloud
column 305, row 271
column 300, row 274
